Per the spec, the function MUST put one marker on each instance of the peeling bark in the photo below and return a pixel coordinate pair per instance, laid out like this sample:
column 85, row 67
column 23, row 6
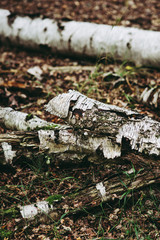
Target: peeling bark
column 96, row 132
column 30, row 211
column 81, row 38
column 107, row 127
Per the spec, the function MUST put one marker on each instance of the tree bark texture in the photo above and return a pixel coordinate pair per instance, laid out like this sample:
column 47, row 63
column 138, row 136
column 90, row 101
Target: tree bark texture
column 81, row 38
column 96, row 132
column 107, row 127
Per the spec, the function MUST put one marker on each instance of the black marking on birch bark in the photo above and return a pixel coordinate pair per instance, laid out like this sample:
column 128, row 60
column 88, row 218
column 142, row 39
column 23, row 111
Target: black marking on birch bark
column 60, row 26
column 126, row 146
column 99, row 152
column 119, row 114
column 91, row 40
column 11, row 18
column 56, row 133
column 28, row 117
column 34, row 15
column 137, row 116
column 77, row 113
column 45, row 29
column 69, row 42
column 84, row 49
column 129, row 45
column 72, row 103
column 65, row 19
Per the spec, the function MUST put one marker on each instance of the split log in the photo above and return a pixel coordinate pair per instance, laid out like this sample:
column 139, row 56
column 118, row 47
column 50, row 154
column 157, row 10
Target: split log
column 81, row 38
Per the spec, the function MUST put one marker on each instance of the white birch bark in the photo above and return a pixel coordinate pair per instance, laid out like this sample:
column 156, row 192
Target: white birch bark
column 106, row 126
column 82, row 38
column 151, row 96
column 96, row 130
column 20, row 121
column 8, row 153
column 30, row 211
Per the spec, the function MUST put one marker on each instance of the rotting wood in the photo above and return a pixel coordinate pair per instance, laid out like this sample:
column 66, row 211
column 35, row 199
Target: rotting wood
column 96, row 132
column 112, row 188
column 107, row 127
column 81, row 38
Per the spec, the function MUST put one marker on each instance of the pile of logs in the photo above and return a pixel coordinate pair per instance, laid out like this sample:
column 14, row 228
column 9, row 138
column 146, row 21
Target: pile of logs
column 94, row 132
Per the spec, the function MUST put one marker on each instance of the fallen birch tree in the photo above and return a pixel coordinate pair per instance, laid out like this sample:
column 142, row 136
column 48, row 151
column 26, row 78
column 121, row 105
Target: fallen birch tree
column 95, row 132
column 94, row 129
column 81, row 38
column 110, row 189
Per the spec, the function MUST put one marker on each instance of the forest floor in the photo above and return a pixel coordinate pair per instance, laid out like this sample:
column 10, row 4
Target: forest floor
column 106, row 80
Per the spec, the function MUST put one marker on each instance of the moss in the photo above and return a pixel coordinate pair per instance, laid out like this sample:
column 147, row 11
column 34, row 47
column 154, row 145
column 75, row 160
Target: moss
column 29, row 117
column 48, row 127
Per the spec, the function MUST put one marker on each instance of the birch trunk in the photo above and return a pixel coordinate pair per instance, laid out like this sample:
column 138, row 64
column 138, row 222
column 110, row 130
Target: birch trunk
column 20, row 121
column 81, row 38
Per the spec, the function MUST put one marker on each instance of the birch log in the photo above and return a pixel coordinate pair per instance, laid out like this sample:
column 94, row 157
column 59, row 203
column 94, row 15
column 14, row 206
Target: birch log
column 112, row 188
column 107, row 127
column 15, row 120
column 95, row 131
column 81, row 38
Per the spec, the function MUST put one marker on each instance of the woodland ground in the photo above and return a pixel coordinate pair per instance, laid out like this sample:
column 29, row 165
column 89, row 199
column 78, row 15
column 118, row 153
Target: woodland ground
column 134, row 218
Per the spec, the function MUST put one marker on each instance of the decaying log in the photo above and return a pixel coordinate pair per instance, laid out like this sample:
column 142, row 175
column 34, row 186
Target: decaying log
column 81, row 38
column 108, row 127
column 96, row 132
column 112, row 188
